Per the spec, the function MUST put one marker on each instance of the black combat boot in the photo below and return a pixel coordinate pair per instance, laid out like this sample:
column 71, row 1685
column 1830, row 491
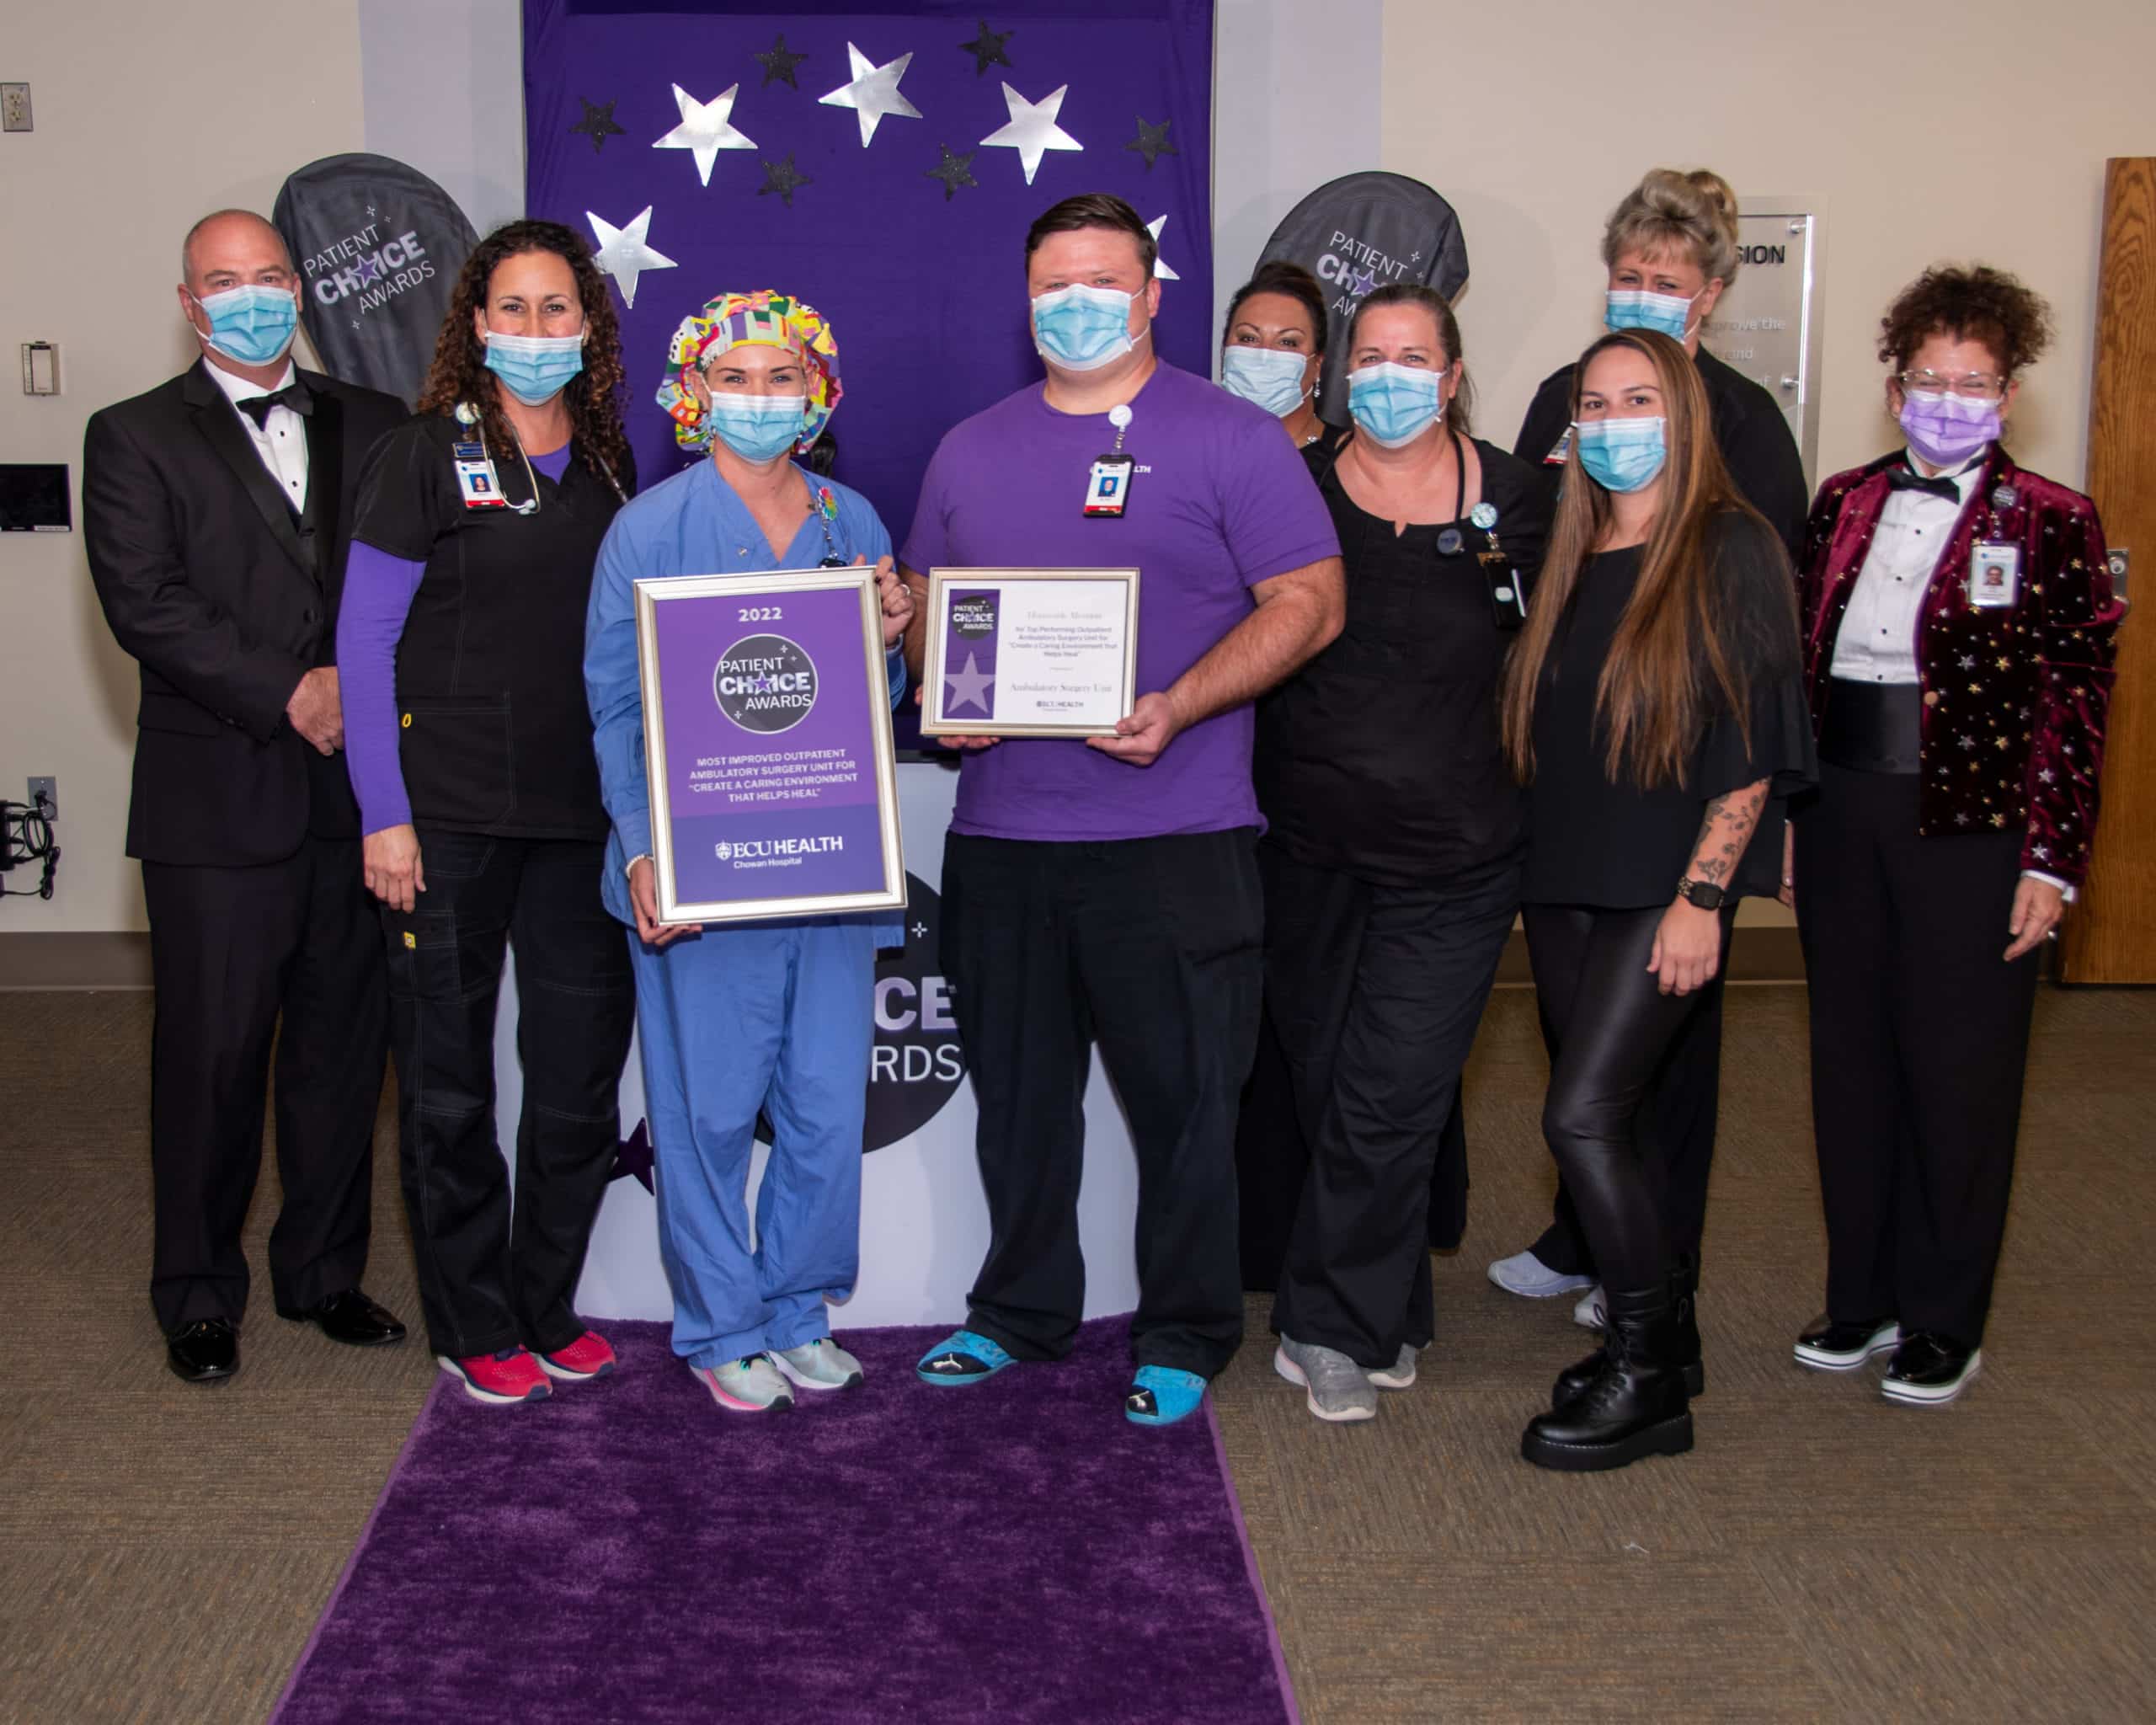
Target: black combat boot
column 1683, row 1304
column 1637, row 1405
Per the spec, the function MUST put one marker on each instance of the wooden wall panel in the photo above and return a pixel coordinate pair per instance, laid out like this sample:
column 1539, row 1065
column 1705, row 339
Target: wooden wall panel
column 2110, row 934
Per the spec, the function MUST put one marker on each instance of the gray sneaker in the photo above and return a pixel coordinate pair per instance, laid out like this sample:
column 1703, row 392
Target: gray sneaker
column 820, row 1365
column 749, row 1385
column 1338, row 1390
column 1399, row 1374
column 1592, row 1312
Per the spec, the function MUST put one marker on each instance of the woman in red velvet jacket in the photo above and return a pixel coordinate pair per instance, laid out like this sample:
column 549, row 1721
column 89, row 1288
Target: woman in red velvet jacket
column 1958, row 623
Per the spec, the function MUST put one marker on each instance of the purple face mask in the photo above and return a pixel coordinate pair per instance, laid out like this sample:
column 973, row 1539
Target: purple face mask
column 1946, row 430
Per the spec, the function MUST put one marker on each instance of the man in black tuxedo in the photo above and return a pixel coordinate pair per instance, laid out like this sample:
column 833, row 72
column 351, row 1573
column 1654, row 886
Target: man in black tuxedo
column 216, row 514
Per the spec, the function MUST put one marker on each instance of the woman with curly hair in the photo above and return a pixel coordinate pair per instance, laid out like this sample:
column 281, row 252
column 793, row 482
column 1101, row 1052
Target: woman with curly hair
column 469, row 745
column 1958, row 625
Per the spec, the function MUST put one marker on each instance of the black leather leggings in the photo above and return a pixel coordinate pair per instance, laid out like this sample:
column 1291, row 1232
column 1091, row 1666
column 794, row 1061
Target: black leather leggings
column 1610, row 1029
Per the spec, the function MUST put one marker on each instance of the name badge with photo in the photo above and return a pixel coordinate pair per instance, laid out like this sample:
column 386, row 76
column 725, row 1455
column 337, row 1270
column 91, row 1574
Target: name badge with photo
column 476, row 480
column 1994, row 575
column 1107, row 486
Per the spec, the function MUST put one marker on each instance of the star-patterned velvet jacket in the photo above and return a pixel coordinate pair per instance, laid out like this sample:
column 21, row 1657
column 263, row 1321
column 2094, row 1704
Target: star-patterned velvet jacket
column 2013, row 696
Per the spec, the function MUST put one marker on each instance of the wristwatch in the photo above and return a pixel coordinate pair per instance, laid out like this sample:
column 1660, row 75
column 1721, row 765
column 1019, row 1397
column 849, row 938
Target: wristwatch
column 1700, row 895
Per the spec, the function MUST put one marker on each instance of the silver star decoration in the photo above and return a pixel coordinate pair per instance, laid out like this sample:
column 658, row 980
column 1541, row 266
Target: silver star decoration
column 706, row 129
column 873, row 92
column 967, row 687
column 1031, row 129
column 624, row 253
column 920, row 931
column 1159, row 263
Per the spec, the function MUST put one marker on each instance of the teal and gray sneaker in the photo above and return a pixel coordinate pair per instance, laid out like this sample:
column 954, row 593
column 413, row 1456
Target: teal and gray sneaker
column 820, row 1365
column 746, row 1385
column 963, row 1357
column 1160, row 1395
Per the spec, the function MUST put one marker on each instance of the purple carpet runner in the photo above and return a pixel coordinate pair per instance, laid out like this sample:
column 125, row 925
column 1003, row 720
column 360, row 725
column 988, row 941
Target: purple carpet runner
column 1010, row 1551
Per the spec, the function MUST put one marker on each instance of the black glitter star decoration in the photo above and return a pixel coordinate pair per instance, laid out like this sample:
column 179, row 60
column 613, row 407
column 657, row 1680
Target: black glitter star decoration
column 782, row 177
column 987, row 48
column 778, row 63
column 597, row 125
column 1152, row 142
column 954, row 171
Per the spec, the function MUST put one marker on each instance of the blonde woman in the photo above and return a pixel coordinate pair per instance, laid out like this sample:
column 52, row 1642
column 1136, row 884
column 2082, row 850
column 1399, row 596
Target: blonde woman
column 1655, row 707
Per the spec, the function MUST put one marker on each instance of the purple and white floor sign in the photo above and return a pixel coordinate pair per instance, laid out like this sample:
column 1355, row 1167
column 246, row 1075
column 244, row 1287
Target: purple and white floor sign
column 1032, row 652
column 777, row 786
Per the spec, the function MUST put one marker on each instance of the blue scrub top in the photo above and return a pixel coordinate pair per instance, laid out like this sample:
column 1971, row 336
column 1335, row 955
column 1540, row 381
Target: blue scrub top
column 693, row 524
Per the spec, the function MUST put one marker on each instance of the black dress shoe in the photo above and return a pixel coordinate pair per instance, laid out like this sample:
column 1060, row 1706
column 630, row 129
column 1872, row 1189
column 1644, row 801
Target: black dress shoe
column 352, row 1318
column 1831, row 1346
column 1929, row 1369
column 205, row 1352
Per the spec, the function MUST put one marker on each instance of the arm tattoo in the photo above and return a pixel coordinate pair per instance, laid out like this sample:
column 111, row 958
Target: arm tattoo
column 1725, row 832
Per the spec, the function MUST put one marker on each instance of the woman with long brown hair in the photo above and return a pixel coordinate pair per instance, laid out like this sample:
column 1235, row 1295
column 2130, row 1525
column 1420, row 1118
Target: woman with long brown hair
column 1655, row 707
column 469, row 743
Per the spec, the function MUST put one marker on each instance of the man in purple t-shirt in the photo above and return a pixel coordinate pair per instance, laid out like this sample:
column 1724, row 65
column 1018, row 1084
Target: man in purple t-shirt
column 1108, row 889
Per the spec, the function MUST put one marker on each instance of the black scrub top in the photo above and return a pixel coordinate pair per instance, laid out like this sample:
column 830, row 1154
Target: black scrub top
column 495, row 734
column 1616, row 846
column 1380, row 757
column 1753, row 437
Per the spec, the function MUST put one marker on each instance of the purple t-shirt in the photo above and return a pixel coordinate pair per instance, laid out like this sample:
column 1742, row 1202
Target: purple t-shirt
column 1220, row 501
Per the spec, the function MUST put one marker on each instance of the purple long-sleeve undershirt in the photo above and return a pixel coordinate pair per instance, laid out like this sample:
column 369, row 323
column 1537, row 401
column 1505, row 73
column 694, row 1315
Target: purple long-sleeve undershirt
column 378, row 593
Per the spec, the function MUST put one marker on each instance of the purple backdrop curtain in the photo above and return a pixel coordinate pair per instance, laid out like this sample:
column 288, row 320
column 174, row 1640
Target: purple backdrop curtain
column 922, row 276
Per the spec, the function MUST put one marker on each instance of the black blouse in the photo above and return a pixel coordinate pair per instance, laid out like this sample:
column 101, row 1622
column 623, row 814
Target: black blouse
column 1380, row 757
column 1617, row 847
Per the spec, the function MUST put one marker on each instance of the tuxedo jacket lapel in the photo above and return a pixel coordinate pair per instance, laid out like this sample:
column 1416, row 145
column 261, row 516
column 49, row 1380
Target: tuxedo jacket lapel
column 219, row 424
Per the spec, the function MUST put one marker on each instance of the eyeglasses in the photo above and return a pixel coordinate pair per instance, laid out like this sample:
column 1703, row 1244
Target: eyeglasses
column 1976, row 386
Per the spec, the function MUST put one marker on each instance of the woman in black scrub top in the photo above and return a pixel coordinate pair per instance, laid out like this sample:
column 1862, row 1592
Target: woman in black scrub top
column 1655, row 707
column 470, row 747
column 1391, row 865
column 1272, row 353
column 1670, row 248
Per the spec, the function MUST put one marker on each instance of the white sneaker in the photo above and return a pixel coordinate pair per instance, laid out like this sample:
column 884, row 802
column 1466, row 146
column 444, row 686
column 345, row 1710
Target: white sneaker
column 751, row 1386
column 1399, row 1374
column 1592, row 1312
column 1335, row 1387
column 820, row 1365
column 1525, row 1274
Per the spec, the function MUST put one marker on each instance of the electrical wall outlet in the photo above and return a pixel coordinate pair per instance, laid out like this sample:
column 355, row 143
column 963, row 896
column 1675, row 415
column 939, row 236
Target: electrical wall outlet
column 15, row 107
column 45, row 794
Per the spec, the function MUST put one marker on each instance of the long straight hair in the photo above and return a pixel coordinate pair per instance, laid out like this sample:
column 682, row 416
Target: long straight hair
column 1675, row 650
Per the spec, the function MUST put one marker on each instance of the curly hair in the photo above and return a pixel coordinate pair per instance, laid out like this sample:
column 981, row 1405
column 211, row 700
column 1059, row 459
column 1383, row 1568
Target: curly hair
column 1979, row 304
column 593, row 396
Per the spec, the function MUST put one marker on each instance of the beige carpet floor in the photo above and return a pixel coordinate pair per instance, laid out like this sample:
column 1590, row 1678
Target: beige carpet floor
column 164, row 1550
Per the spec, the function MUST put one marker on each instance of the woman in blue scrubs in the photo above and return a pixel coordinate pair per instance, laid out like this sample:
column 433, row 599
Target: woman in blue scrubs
column 770, row 1017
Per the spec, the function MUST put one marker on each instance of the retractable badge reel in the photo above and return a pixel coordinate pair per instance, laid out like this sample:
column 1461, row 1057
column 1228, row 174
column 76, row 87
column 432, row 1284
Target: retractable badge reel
column 1107, row 486
column 477, row 481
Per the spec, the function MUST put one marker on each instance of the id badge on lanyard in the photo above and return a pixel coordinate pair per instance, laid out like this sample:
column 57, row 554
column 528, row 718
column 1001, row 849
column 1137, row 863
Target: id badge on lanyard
column 1108, row 483
column 476, row 479
column 1994, row 575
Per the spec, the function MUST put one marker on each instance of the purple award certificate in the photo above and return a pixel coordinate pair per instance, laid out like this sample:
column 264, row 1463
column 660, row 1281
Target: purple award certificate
column 767, row 742
column 1030, row 652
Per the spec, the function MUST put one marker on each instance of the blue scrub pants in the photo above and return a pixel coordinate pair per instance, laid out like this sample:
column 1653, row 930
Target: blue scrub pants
column 733, row 1020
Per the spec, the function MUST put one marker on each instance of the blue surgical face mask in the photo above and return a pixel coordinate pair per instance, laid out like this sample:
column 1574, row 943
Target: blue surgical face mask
column 253, row 324
column 1622, row 455
column 758, row 428
column 535, row 369
column 1271, row 376
column 1394, row 405
column 1634, row 308
column 1082, row 328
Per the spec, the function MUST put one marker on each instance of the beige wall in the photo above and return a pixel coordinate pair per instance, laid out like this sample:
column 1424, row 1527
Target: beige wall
column 146, row 116
column 1534, row 119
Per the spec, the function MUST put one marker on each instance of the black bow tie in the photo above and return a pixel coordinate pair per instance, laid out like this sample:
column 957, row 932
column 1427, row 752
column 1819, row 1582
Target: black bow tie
column 293, row 395
column 1901, row 478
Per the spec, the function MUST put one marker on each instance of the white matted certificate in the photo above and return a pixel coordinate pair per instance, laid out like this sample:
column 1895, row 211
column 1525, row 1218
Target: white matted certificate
column 1030, row 652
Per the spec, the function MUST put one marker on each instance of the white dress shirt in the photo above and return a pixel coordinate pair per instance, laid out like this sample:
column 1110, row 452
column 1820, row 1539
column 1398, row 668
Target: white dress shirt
column 282, row 442
column 1878, row 638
